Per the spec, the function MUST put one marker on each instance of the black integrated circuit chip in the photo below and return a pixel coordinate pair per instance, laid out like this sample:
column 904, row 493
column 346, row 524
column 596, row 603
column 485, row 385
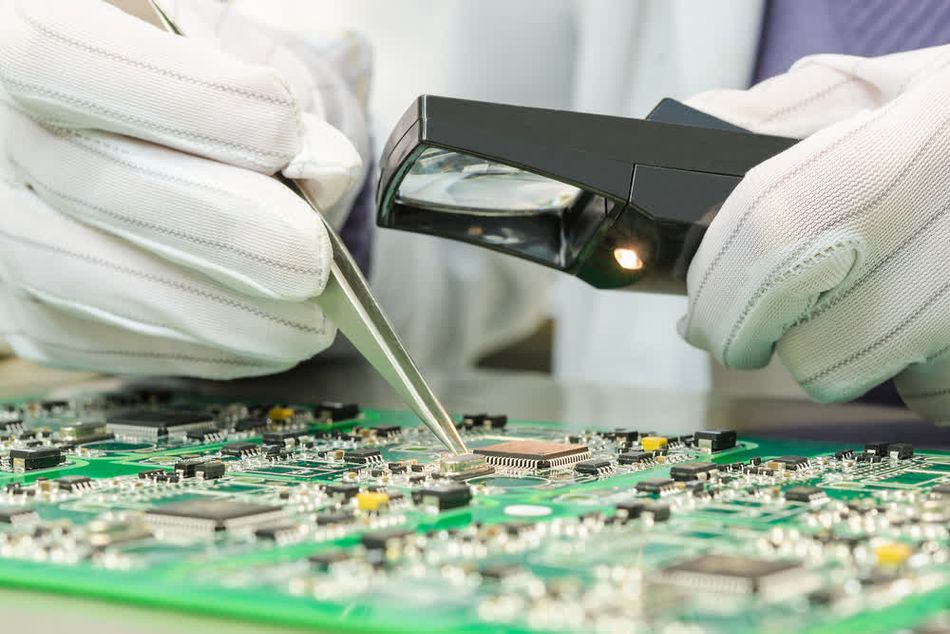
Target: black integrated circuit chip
column 211, row 470
column 593, row 467
column 635, row 457
column 693, row 471
column 443, row 496
column 715, row 439
column 803, row 494
column 330, row 412
column 363, row 455
column 792, row 463
column 155, row 424
column 33, row 458
column 655, row 485
column 211, row 515
column 240, row 449
column 73, row 483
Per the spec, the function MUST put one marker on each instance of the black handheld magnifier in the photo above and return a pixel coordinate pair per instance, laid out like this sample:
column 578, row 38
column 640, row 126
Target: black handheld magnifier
column 618, row 202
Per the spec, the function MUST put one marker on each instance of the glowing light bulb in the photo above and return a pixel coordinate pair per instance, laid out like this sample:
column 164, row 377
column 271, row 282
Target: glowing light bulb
column 628, row 259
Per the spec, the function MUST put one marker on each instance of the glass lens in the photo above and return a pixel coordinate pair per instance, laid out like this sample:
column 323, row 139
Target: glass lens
column 458, row 183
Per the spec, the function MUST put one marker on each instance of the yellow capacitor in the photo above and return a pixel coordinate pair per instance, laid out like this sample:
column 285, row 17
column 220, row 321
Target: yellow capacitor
column 280, row 414
column 371, row 501
column 892, row 554
column 653, row 443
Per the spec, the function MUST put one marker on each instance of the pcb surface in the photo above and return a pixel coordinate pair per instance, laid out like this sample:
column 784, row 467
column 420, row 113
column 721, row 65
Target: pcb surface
column 325, row 517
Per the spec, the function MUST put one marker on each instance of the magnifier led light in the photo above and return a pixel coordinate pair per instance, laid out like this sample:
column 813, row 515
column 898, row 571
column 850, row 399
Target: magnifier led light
column 628, row 259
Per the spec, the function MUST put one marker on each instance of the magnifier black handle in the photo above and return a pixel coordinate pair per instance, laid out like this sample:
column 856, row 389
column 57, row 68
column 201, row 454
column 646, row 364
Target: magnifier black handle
column 630, row 201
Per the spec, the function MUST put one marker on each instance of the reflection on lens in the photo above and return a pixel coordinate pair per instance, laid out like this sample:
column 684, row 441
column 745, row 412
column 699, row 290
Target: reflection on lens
column 459, row 183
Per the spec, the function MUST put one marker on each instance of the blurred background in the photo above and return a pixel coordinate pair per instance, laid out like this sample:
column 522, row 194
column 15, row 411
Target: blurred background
column 458, row 305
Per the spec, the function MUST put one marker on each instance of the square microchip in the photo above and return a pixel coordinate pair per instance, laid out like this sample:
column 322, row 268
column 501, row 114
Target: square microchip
column 739, row 575
column 206, row 516
column 533, row 454
column 152, row 425
column 803, row 494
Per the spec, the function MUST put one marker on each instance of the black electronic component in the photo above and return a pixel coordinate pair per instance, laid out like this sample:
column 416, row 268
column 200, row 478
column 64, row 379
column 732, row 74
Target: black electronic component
column 443, row 496
column 334, row 517
column 738, row 575
column 73, row 483
column 715, row 439
column 900, row 450
column 152, row 474
column 250, row 424
column 593, row 467
column 693, row 471
column 496, row 421
column 279, row 533
column 488, row 421
column 240, row 449
column 211, row 470
column 325, row 560
column 844, row 454
column 210, row 515
column 876, row 448
column 635, row 457
column 397, row 467
column 658, row 511
column 471, row 420
column 688, row 440
column 187, row 466
column 363, row 455
column 281, row 436
column 792, row 462
column 629, row 509
column 387, row 431
column 803, row 494
column 35, row 458
column 344, row 491
column 54, row 406
column 17, row 515
column 330, row 412
column 620, row 434
column 155, row 424
column 655, row 485
column 203, row 435
column 533, row 454
column 384, row 539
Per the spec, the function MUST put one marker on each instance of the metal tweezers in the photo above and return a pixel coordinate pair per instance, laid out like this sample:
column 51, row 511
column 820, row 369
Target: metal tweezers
column 348, row 302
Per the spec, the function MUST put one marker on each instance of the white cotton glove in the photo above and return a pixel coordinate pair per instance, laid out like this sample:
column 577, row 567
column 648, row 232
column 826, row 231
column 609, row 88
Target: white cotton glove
column 836, row 252
column 140, row 229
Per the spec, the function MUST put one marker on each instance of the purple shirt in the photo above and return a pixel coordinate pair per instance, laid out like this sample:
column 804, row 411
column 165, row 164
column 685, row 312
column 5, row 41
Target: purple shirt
column 794, row 28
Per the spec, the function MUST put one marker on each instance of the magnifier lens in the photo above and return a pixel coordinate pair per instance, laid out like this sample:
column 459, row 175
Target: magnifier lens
column 447, row 181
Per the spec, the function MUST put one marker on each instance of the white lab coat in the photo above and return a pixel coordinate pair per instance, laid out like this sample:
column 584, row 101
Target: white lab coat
column 453, row 302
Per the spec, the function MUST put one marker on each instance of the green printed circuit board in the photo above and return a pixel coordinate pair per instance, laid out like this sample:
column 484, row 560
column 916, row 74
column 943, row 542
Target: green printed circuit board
column 329, row 518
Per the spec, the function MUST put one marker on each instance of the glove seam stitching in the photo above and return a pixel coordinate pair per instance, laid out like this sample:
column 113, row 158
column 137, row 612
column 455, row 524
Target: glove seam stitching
column 159, row 228
column 162, row 71
column 171, row 283
column 137, row 353
column 832, row 223
column 919, row 232
column 890, row 334
column 748, row 213
column 203, row 139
